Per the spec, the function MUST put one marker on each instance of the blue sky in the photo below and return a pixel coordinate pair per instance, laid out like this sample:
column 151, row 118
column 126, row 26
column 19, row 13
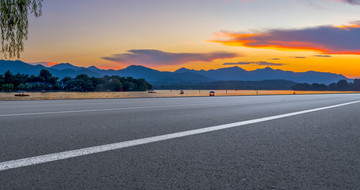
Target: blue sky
column 83, row 32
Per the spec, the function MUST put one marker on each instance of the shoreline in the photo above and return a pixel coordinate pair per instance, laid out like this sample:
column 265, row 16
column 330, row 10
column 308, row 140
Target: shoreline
column 10, row 96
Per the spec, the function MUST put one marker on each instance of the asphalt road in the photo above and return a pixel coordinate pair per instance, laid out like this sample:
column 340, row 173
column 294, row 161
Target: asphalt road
column 318, row 149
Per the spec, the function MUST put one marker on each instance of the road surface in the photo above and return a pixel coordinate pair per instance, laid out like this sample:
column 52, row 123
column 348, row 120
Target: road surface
column 244, row 142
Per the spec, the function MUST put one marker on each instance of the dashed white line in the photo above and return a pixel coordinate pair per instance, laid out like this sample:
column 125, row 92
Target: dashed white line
column 116, row 146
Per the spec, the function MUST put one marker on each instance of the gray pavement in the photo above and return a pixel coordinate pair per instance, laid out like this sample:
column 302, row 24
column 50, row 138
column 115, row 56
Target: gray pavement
column 318, row 150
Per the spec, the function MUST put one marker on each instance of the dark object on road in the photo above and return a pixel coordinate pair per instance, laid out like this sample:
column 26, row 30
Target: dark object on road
column 181, row 92
column 151, row 91
column 43, row 91
column 21, row 93
column 212, row 93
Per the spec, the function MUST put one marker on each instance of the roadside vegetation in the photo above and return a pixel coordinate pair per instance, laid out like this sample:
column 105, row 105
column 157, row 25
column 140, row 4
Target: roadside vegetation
column 81, row 83
column 341, row 85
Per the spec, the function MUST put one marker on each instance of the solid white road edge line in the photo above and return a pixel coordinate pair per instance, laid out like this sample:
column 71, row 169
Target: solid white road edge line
column 107, row 109
column 115, row 146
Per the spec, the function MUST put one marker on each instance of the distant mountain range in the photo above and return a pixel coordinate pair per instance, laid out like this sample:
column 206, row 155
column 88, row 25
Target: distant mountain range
column 181, row 76
column 237, row 73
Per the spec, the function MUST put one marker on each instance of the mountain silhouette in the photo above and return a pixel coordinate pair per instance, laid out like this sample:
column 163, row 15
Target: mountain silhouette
column 63, row 71
column 180, row 76
column 63, row 66
column 237, row 73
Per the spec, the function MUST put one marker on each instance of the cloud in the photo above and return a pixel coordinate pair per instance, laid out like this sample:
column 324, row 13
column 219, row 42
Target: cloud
column 322, row 55
column 263, row 63
column 275, row 59
column 353, row 2
column 157, row 57
column 299, row 57
column 323, row 39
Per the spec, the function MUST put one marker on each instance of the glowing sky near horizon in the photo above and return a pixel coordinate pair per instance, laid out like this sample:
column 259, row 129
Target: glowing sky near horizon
column 296, row 35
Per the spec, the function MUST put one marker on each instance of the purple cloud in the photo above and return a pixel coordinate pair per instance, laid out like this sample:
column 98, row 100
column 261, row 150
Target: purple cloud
column 157, row 57
column 324, row 39
column 322, row 55
column 262, row 63
column 353, row 2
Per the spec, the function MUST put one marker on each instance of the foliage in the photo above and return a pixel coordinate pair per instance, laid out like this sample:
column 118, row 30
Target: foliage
column 341, row 85
column 115, row 85
column 44, row 81
column 81, row 83
column 14, row 24
column 232, row 85
column 107, row 83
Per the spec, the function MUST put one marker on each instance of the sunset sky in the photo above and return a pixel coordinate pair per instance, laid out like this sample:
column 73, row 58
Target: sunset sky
column 295, row 35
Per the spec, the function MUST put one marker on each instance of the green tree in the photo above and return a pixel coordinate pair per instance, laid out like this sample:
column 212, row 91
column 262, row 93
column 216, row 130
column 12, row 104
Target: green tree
column 142, row 85
column 84, row 83
column 45, row 74
column 8, row 87
column 357, row 84
column 301, row 86
column 53, row 80
column 14, row 24
column 333, row 86
column 115, row 85
column 129, row 86
column 82, row 77
column 342, row 85
column 2, row 81
column 24, row 86
column 8, row 77
column 100, row 87
column 16, row 80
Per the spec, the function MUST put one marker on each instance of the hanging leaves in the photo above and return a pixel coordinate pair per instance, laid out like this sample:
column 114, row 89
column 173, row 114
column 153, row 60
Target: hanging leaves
column 14, row 24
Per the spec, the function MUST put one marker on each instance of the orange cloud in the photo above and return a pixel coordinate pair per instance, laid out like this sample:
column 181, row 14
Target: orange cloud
column 349, row 26
column 52, row 63
column 353, row 2
column 324, row 39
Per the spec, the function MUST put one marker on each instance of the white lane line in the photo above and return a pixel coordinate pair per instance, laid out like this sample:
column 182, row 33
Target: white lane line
column 107, row 109
column 115, row 146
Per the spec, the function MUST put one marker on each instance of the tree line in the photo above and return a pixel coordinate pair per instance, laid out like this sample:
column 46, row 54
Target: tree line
column 341, row 85
column 231, row 85
column 81, row 83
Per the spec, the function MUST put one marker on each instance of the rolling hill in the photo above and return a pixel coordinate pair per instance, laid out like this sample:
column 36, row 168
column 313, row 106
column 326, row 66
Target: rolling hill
column 181, row 76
